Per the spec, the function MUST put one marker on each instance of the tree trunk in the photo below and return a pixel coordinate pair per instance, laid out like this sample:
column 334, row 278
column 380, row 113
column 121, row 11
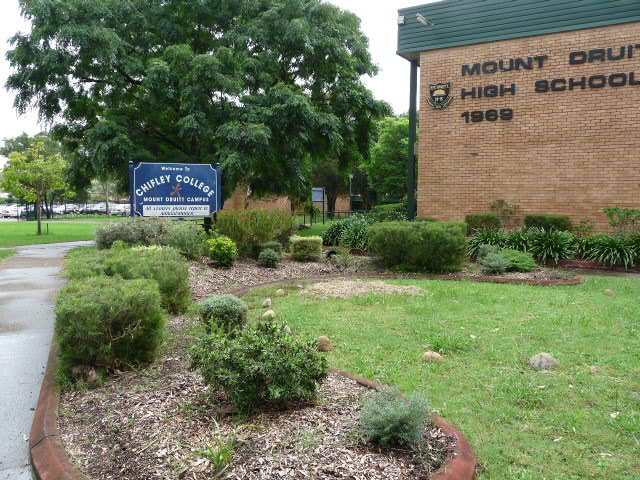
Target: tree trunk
column 331, row 203
column 39, row 214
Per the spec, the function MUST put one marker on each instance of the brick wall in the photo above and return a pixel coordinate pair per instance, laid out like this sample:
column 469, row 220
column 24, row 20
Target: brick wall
column 565, row 152
column 240, row 200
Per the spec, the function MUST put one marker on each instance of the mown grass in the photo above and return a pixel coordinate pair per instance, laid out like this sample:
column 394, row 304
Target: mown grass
column 316, row 229
column 5, row 254
column 579, row 422
column 24, row 233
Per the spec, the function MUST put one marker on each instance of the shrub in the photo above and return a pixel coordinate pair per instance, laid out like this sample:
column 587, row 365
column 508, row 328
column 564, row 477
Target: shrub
column 165, row 265
column 611, row 250
column 392, row 420
column 485, row 250
column 507, row 212
column 263, row 365
column 423, row 246
column 222, row 250
column 134, row 231
column 553, row 244
column 391, row 212
column 269, row 258
column 561, row 223
column 331, row 236
column 250, row 228
column 275, row 246
column 497, row 238
column 356, row 234
column 624, row 220
column 306, row 248
column 108, row 324
column 482, row 221
column 186, row 237
column 225, row 313
column 520, row 261
column 495, row 263
column 520, row 239
column 584, row 245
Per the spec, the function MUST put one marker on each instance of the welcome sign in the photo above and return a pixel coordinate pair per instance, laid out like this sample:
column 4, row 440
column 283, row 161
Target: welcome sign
column 174, row 189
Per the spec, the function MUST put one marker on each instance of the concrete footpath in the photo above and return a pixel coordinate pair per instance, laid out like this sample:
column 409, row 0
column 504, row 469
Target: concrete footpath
column 29, row 281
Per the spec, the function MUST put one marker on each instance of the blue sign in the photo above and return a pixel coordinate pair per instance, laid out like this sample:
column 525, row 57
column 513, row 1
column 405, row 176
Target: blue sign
column 174, row 190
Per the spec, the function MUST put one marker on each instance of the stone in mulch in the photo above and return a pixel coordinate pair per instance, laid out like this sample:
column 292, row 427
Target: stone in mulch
column 356, row 288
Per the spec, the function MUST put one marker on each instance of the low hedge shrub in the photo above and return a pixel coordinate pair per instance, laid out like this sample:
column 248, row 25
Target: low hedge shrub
column 275, row 246
column 306, row 248
column 250, row 228
column 519, row 261
column 495, row 263
column 482, row 221
column 390, row 212
column 420, row 246
column 549, row 222
column 186, row 237
column 392, row 420
column 269, row 258
column 107, row 323
column 262, row 365
column 165, row 265
column 226, row 314
column 222, row 250
column 134, row 231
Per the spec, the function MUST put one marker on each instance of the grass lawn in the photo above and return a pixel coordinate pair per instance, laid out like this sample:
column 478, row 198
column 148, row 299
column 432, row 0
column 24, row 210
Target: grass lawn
column 24, row 233
column 6, row 253
column 316, row 229
column 579, row 422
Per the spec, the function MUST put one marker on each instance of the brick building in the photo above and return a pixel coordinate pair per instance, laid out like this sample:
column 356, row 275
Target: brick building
column 534, row 102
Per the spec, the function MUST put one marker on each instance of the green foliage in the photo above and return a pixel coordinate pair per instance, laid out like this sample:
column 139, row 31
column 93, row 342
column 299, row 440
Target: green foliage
column 549, row 222
column 612, row 250
column 624, row 220
column 107, row 323
column 481, row 237
column 220, row 455
column 275, row 246
column 260, row 87
column 226, row 314
column 222, row 250
column 506, row 211
column 186, row 237
column 162, row 264
column 262, row 365
column 269, row 258
column 387, row 166
column 250, row 228
column 134, row 231
column 482, row 221
column 356, row 234
column 520, row 261
column 585, row 227
column 553, row 244
column 331, row 236
column 388, row 213
column 485, row 250
column 495, row 263
column 423, row 246
column 306, row 248
column 392, row 420
column 520, row 239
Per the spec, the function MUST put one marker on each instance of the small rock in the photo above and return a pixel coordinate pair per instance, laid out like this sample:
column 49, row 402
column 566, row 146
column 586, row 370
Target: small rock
column 287, row 330
column 543, row 361
column 267, row 303
column 609, row 293
column 432, row 357
column 324, row 344
column 269, row 315
column 300, row 287
column 280, row 292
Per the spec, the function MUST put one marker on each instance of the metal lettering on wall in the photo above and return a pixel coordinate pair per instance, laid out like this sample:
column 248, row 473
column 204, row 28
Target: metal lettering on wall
column 545, row 86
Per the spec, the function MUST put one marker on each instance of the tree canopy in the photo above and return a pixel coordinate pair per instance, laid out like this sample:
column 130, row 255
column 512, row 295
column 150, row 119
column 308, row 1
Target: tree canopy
column 263, row 87
column 387, row 166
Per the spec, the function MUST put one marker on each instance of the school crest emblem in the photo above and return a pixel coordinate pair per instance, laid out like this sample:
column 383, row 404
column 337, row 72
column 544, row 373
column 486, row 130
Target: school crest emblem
column 440, row 95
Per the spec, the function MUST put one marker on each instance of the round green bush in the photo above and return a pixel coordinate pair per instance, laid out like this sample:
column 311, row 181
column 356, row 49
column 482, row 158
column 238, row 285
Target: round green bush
column 225, row 313
column 495, row 263
column 262, row 365
column 269, row 258
column 520, row 261
column 222, row 250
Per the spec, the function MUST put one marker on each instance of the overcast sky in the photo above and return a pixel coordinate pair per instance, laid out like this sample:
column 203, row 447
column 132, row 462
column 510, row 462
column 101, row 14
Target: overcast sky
column 378, row 23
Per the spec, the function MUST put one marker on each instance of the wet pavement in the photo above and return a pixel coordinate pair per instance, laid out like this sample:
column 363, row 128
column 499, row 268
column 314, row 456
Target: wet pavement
column 29, row 281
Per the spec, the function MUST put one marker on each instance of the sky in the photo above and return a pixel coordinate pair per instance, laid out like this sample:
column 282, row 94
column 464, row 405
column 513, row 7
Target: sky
column 379, row 23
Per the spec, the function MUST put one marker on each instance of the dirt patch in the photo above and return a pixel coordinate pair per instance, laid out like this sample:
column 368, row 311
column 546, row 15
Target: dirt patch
column 356, row 288
column 164, row 422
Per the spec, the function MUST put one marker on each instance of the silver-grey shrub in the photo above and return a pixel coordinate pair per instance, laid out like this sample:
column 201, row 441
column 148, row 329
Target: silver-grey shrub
column 392, row 420
column 134, row 231
column 226, row 313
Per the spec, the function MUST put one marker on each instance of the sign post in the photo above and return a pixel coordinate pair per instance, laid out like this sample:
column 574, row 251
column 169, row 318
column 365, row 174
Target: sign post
column 174, row 190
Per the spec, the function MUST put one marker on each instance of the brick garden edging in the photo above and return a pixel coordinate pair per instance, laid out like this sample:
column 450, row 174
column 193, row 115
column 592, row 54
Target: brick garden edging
column 50, row 461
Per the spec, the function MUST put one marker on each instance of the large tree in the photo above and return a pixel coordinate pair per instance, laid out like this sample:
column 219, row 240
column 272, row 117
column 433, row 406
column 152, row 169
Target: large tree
column 387, row 166
column 264, row 87
column 32, row 174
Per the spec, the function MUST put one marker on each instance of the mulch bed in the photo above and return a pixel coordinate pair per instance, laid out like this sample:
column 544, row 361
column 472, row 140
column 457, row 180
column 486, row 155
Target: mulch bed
column 161, row 422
